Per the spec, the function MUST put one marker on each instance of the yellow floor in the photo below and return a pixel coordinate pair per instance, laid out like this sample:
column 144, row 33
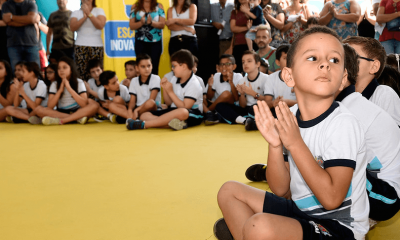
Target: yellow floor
column 100, row 181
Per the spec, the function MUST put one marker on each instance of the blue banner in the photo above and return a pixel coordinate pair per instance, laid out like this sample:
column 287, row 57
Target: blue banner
column 119, row 40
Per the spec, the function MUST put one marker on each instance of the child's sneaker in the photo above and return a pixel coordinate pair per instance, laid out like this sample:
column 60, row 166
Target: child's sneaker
column 211, row 119
column 82, row 120
column 51, row 121
column 99, row 118
column 177, row 124
column 35, row 120
column 256, row 172
column 221, row 230
column 113, row 118
column 9, row 119
column 250, row 125
column 134, row 124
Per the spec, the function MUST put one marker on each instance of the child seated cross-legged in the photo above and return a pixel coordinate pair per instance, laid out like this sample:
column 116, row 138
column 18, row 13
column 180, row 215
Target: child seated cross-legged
column 7, row 88
column 250, row 90
column 316, row 157
column 130, row 72
column 183, row 95
column 95, row 68
column 68, row 94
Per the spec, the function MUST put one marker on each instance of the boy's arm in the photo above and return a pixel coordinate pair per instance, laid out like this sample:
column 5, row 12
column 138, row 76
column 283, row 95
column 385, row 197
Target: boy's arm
column 233, row 87
column 210, row 90
column 153, row 94
column 90, row 90
column 131, row 105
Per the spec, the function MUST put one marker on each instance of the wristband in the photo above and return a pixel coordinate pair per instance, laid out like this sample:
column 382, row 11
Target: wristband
column 90, row 15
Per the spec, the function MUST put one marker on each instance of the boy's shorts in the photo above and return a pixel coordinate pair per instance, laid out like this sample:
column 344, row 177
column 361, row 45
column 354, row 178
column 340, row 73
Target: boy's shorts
column 195, row 116
column 251, row 35
column 68, row 111
column 383, row 200
column 313, row 228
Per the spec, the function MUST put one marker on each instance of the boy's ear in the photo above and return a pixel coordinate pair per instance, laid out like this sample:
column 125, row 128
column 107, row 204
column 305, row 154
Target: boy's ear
column 233, row 66
column 287, row 76
column 278, row 62
column 106, row 87
column 375, row 67
column 344, row 80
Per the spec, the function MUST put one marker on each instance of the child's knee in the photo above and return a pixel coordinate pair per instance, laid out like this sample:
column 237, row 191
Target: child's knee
column 226, row 190
column 226, row 95
column 9, row 109
column 258, row 226
column 183, row 114
column 119, row 100
column 145, row 116
column 151, row 103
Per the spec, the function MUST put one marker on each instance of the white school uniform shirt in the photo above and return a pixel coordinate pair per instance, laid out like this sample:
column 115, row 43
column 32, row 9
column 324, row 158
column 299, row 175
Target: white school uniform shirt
column 335, row 138
column 142, row 91
column 382, row 137
column 123, row 92
column 93, row 85
column 66, row 101
column 88, row 34
column 39, row 91
column 169, row 76
column 275, row 87
column 257, row 85
column 385, row 97
column 190, row 89
column 202, row 84
column 219, row 86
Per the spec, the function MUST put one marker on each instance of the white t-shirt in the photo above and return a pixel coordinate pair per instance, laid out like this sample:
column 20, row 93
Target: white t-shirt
column 335, row 138
column 39, row 91
column 142, row 91
column 257, row 85
column 123, row 92
column 275, row 87
column 202, row 85
column 66, row 101
column 93, row 85
column 169, row 76
column 88, row 34
column 219, row 86
column 386, row 98
column 190, row 89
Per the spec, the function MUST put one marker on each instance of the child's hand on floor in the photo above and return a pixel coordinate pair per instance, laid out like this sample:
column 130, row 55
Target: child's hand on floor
column 287, row 126
column 265, row 124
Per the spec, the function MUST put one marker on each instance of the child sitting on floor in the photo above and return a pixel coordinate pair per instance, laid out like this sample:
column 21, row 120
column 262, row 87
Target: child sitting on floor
column 95, row 68
column 7, row 88
column 130, row 72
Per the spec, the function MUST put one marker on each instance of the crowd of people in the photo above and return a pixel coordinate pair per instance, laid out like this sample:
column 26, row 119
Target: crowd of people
column 324, row 98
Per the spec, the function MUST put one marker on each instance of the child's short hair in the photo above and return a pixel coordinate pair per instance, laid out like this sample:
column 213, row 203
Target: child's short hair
column 281, row 49
column 33, row 67
column 393, row 60
column 264, row 27
column 183, row 56
column 390, row 77
column 312, row 20
column 265, row 64
column 351, row 63
column 142, row 56
column 131, row 63
column 20, row 63
column 307, row 32
column 93, row 63
column 106, row 76
column 372, row 47
column 196, row 60
column 228, row 56
column 257, row 57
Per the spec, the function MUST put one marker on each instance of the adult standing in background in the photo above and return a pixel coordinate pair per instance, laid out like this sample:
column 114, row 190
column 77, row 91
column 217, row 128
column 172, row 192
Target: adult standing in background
column 220, row 15
column 275, row 16
column 42, row 26
column 389, row 10
column 292, row 28
column 3, row 36
column 88, row 23
column 21, row 17
column 63, row 37
column 367, row 20
column 181, row 18
column 148, row 21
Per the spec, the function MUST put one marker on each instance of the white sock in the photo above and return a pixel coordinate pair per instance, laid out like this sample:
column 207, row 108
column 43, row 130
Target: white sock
column 240, row 120
column 108, row 115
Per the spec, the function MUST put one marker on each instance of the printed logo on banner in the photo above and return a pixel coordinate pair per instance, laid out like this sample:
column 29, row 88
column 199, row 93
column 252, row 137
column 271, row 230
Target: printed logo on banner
column 119, row 39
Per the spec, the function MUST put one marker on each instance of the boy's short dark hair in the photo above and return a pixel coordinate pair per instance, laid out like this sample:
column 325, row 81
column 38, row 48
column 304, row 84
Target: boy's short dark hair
column 372, row 47
column 131, row 63
column 106, row 76
column 281, row 49
column 20, row 63
column 264, row 63
column 257, row 57
column 319, row 29
column 351, row 62
column 312, row 20
column 196, row 60
column 142, row 56
column 93, row 63
column 228, row 56
column 393, row 60
column 390, row 77
column 183, row 56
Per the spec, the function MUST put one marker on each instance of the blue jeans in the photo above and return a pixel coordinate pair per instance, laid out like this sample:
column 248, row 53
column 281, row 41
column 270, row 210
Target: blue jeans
column 391, row 46
column 23, row 53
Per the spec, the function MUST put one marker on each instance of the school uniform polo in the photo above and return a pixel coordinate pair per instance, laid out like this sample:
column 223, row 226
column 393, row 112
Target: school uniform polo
column 66, row 101
column 219, row 86
column 123, row 92
column 385, row 97
column 142, row 91
column 38, row 91
column 93, row 85
column 202, row 84
column 276, row 87
column 169, row 76
column 190, row 89
column 257, row 85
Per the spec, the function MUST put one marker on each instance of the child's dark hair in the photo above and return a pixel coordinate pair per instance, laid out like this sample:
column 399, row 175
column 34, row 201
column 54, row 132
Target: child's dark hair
column 196, row 60
column 265, row 64
column 52, row 66
column 106, row 76
column 312, row 20
column 33, row 67
column 5, row 86
column 393, row 60
column 390, row 77
column 257, row 57
column 351, row 62
column 293, row 48
column 73, row 79
column 372, row 47
column 183, row 56
column 142, row 56
column 281, row 49
column 93, row 63
column 131, row 63
column 228, row 56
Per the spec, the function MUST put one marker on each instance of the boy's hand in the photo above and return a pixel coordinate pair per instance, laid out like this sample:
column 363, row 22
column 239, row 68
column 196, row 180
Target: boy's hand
column 247, row 89
column 166, row 85
column 265, row 123
column 287, row 126
column 130, row 114
column 239, row 88
column 229, row 75
column 276, row 101
column 135, row 114
column 211, row 80
column 249, row 23
column 17, row 83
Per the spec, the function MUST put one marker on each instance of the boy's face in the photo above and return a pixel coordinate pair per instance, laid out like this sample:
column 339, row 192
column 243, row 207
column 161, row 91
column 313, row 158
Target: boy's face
column 282, row 61
column 178, row 68
column 366, row 67
column 226, row 66
column 262, row 39
column 249, row 63
column 144, row 67
column 26, row 75
column 95, row 72
column 18, row 72
column 113, row 84
column 318, row 68
column 130, row 71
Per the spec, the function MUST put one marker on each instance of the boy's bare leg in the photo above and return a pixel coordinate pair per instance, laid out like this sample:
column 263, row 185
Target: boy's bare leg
column 226, row 96
column 89, row 110
column 163, row 120
column 3, row 114
column 17, row 112
column 102, row 112
column 149, row 105
column 44, row 112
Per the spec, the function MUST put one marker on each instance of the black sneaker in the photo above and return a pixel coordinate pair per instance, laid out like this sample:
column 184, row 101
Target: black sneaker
column 250, row 125
column 134, row 124
column 256, row 172
column 99, row 118
column 221, row 230
column 211, row 119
